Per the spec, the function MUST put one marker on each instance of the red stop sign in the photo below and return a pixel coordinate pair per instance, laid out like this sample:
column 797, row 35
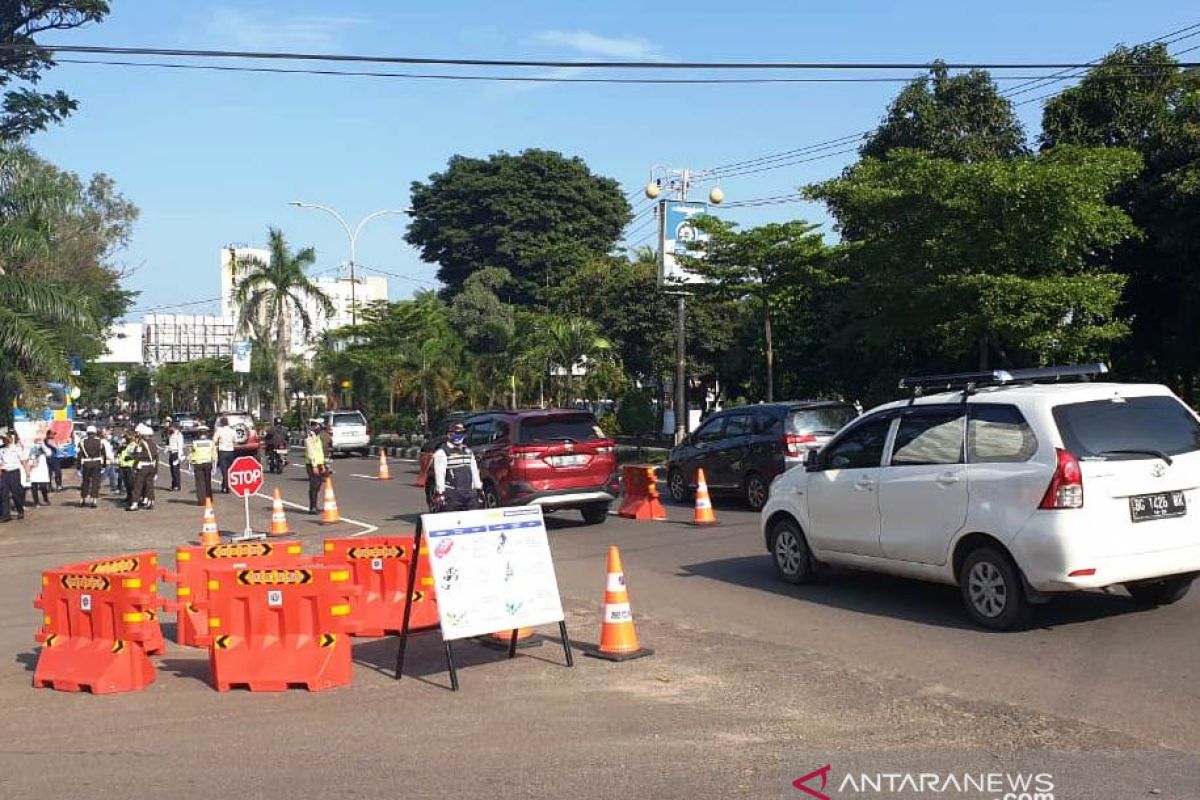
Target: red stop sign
column 245, row 476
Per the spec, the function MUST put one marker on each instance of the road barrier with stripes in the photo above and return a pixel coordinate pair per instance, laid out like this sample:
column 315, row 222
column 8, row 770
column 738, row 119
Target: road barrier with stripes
column 379, row 568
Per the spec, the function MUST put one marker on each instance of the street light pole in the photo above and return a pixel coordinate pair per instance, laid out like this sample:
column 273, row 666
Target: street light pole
column 352, row 235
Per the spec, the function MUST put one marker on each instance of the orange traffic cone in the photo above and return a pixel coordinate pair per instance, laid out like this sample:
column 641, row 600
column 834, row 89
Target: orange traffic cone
column 618, row 637
column 279, row 523
column 704, row 511
column 209, row 535
column 502, row 640
column 329, row 514
column 384, row 473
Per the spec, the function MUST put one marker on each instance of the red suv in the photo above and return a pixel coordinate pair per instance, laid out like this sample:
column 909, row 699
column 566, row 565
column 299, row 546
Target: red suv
column 556, row 458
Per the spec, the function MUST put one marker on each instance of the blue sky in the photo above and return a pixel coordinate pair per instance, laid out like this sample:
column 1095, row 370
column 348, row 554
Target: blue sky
column 213, row 158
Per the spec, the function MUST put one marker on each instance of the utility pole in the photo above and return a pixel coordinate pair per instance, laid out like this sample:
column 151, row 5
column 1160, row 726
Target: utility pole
column 678, row 181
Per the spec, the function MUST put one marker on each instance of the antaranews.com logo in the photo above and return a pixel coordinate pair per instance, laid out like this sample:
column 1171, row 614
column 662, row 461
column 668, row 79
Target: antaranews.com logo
column 823, row 784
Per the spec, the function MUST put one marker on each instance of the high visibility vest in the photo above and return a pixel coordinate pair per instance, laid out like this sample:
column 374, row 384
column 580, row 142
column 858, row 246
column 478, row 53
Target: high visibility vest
column 314, row 451
column 203, row 451
column 128, row 456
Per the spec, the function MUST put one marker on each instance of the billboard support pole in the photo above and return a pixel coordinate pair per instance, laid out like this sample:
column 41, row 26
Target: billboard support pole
column 681, row 371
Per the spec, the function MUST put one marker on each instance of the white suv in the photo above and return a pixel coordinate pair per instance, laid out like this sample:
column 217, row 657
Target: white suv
column 349, row 431
column 1010, row 487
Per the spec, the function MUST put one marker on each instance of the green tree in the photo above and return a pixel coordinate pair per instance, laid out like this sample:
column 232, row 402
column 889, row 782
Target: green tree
column 958, row 117
column 25, row 110
column 634, row 414
column 537, row 214
column 269, row 293
column 1141, row 99
column 569, row 344
column 1004, row 260
column 760, row 263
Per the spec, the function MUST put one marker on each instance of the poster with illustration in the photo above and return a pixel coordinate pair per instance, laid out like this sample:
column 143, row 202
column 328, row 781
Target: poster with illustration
column 492, row 569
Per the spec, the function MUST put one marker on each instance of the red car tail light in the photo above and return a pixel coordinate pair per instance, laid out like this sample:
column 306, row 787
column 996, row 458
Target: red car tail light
column 794, row 442
column 526, row 453
column 1066, row 487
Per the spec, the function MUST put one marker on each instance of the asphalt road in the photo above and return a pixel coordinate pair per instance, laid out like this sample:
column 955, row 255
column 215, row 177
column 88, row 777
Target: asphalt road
column 754, row 683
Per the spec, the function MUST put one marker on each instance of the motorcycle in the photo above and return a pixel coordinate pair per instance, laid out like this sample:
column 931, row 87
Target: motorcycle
column 277, row 461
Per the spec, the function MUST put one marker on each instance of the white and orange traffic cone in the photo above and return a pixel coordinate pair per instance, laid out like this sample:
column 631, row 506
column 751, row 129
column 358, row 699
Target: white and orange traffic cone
column 329, row 512
column 618, row 636
column 384, row 473
column 279, row 523
column 209, row 534
column 502, row 640
column 704, row 511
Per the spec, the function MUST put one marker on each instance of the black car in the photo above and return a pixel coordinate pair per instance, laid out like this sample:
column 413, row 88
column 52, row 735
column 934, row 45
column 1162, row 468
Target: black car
column 742, row 449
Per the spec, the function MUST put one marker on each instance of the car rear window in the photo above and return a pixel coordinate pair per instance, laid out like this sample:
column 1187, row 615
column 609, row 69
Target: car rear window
column 575, row 428
column 820, row 421
column 354, row 418
column 1103, row 428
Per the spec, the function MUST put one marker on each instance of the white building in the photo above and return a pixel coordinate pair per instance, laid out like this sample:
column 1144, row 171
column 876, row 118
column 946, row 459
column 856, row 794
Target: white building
column 124, row 343
column 175, row 338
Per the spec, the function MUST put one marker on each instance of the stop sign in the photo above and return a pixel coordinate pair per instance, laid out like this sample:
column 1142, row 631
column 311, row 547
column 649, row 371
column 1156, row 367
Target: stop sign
column 245, row 476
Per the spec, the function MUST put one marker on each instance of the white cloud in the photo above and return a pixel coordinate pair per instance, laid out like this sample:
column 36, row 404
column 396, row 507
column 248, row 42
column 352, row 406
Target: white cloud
column 248, row 31
column 627, row 48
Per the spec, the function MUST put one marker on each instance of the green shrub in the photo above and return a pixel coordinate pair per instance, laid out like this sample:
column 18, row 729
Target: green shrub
column 635, row 415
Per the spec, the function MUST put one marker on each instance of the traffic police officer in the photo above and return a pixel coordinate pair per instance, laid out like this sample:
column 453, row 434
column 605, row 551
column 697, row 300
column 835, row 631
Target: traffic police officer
column 204, row 455
column 146, row 454
column 456, row 482
column 315, row 463
column 91, row 462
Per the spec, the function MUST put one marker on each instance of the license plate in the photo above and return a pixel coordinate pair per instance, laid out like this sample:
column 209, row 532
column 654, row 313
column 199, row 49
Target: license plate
column 1163, row 505
column 568, row 461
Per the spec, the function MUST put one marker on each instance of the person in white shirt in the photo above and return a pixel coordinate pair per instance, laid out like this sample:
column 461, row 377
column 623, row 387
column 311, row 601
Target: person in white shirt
column 39, row 473
column 226, row 440
column 175, row 456
column 12, row 471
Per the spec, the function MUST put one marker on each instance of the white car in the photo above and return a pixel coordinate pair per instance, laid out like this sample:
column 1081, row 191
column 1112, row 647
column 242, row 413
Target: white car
column 349, row 431
column 1010, row 487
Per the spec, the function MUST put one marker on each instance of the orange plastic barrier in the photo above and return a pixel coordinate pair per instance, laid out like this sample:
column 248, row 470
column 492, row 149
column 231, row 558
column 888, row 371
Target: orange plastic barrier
column 276, row 627
column 141, row 565
column 379, row 567
column 639, row 499
column 191, row 627
column 94, row 629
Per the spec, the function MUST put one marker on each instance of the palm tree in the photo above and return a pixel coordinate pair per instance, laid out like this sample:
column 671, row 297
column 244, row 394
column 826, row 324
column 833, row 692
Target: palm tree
column 570, row 342
column 270, row 293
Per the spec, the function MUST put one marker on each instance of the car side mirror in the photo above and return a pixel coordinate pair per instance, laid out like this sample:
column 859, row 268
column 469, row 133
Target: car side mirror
column 812, row 461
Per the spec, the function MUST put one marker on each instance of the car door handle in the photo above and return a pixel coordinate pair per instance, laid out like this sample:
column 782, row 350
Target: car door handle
column 948, row 479
column 864, row 483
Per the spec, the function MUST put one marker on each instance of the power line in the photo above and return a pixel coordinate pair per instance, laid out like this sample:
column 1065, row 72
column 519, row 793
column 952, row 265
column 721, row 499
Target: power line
column 150, row 309
column 398, row 276
column 506, row 63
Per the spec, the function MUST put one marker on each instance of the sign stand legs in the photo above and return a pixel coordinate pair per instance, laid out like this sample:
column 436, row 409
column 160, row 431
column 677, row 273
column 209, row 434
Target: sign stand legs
column 249, row 533
column 404, row 625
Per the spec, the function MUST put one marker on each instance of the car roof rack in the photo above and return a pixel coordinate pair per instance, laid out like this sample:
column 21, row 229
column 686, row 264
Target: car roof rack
column 969, row 382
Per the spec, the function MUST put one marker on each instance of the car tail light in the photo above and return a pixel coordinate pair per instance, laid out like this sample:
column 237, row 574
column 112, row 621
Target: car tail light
column 606, row 450
column 795, row 441
column 526, row 454
column 1066, row 487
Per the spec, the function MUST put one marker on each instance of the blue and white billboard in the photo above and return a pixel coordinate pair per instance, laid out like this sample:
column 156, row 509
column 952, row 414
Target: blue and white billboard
column 676, row 233
column 241, row 356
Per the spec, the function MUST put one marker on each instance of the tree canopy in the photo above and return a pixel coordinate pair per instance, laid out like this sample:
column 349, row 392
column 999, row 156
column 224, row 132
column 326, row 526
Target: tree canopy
column 537, row 214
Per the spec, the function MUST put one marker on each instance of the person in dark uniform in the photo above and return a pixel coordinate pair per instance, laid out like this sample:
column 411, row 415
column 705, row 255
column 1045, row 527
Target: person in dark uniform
column 54, row 462
column 316, row 463
column 146, row 467
column 204, row 456
column 91, row 462
column 456, row 482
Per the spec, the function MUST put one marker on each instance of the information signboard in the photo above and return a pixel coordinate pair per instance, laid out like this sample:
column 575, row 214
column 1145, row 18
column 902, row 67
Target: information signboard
column 492, row 570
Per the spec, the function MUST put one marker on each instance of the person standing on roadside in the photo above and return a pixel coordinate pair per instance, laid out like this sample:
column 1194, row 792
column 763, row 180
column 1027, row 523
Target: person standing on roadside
column 12, row 493
column 146, row 454
column 109, row 441
column 174, row 455
column 204, row 455
column 315, row 463
column 226, row 441
column 127, row 461
column 456, row 481
column 39, row 474
column 91, row 461
column 53, row 462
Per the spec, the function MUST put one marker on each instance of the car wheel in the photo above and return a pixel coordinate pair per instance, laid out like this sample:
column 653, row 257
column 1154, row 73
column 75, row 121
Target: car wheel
column 757, row 491
column 677, row 486
column 595, row 513
column 1162, row 592
column 491, row 498
column 790, row 552
column 992, row 590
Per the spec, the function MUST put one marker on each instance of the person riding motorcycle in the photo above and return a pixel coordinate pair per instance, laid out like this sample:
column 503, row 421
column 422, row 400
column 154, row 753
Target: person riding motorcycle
column 277, row 446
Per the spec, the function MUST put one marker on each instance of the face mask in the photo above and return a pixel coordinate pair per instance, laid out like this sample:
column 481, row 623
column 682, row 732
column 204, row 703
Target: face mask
column 458, row 438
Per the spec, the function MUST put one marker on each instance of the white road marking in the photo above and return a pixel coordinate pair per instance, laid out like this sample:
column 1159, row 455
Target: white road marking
column 366, row 526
